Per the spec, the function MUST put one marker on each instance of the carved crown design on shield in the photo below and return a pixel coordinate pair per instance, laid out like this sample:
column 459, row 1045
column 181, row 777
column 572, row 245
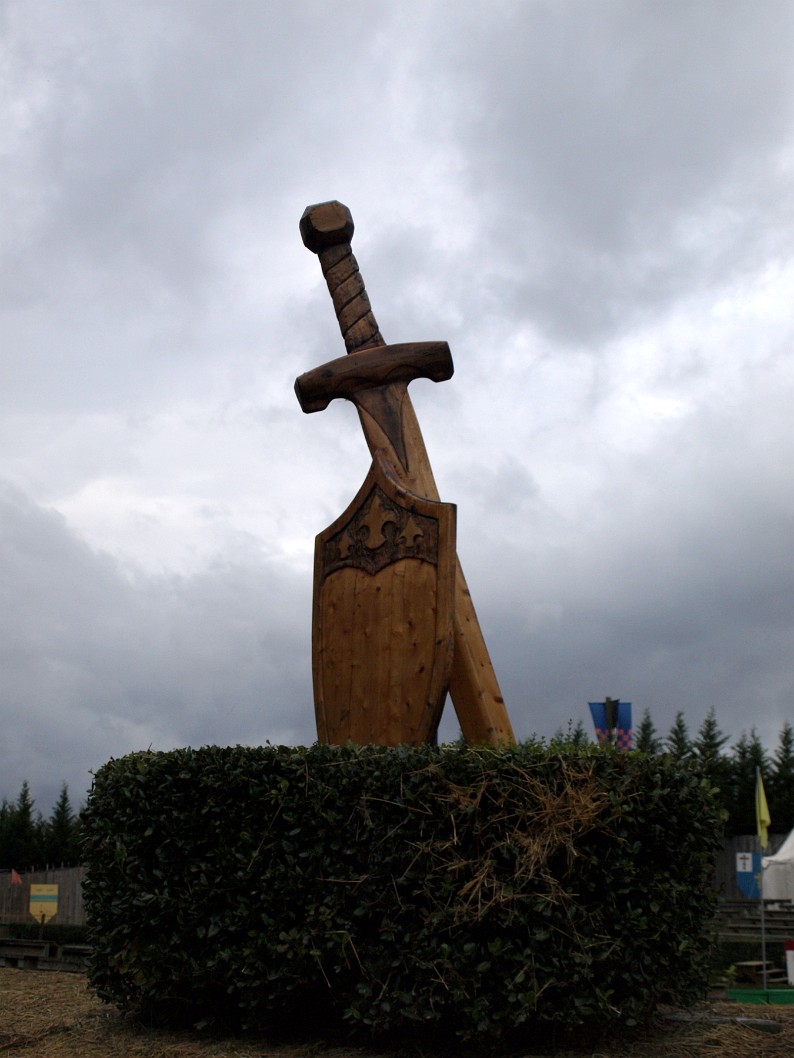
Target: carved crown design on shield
column 380, row 533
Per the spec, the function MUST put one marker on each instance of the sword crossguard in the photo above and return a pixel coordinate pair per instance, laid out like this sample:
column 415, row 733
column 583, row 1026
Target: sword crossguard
column 327, row 230
column 376, row 379
column 352, row 375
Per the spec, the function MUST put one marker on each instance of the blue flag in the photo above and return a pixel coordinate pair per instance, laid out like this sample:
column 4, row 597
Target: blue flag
column 748, row 868
column 612, row 715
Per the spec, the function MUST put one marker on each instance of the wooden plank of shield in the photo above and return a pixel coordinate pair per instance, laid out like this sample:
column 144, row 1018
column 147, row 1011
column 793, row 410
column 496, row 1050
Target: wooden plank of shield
column 382, row 635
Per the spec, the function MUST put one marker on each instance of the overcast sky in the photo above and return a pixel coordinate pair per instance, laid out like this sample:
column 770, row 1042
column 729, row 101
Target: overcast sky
column 592, row 202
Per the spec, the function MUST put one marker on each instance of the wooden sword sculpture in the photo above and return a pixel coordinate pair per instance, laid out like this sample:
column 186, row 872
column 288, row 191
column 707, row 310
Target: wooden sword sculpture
column 394, row 626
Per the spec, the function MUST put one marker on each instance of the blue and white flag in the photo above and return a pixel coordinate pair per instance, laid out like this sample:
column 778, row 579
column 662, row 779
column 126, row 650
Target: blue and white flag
column 748, row 870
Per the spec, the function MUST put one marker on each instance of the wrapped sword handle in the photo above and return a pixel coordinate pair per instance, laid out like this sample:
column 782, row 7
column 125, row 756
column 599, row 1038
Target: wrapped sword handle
column 327, row 230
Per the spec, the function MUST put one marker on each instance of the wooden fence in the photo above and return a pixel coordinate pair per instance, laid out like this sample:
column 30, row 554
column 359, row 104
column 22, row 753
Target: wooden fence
column 15, row 896
column 741, row 920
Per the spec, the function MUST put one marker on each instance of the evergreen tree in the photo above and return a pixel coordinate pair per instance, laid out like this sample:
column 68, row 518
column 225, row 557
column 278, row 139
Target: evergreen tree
column 575, row 735
column 781, row 781
column 678, row 743
column 707, row 749
column 22, row 834
column 6, row 813
column 748, row 756
column 579, row 735
column 61, row 838
column 710, row 740
column 645, row 738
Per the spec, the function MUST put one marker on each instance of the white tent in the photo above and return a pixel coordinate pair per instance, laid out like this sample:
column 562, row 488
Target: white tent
column 779, row 872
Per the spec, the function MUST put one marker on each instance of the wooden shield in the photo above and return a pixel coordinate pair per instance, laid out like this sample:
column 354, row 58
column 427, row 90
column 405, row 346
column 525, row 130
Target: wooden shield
column 384, row 578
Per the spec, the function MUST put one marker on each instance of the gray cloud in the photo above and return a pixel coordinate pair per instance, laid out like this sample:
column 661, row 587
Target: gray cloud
column 624, row 156
column 98, row 661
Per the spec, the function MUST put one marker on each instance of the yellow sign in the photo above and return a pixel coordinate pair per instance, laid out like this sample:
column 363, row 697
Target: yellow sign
column 43, row 902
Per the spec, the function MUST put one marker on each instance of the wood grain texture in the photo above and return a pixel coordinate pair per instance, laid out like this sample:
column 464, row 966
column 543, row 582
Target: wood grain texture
column 351, row 302
column 474, row 688
column 382, row 636
column 372, row 368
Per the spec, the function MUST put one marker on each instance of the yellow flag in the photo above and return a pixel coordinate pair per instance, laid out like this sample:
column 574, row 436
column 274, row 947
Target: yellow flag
column 761, row 811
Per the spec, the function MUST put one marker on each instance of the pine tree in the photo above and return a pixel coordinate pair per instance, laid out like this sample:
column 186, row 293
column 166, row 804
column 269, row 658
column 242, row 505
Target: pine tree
column 579, row 735
column 61, row 840
column 645, row 738
column 748, row 756
column 707, row 749
column 678, row 743
column 22, row 840
column 781, row 781
column 710, row 740
column 6, row 814
column 575, row 735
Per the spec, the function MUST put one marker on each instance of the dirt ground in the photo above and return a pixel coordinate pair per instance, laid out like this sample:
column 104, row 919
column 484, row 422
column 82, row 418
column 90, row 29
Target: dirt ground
column 53, row 1015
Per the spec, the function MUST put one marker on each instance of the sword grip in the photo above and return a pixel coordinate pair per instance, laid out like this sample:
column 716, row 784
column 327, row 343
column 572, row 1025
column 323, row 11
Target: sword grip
column 327, row 230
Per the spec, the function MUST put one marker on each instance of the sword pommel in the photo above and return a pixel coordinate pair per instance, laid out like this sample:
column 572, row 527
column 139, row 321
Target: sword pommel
column 326, row 224
column 350, row 376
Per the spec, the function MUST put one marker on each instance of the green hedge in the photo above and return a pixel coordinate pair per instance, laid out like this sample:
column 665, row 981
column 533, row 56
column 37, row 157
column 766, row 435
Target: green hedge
column 474, row 891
